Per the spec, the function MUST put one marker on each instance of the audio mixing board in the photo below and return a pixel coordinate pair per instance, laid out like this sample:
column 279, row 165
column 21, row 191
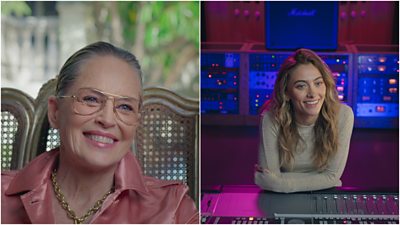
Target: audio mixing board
column 330, row 206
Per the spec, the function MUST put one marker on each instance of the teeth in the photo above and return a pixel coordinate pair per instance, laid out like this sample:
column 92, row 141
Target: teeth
column 101, row 139
column 312, row 103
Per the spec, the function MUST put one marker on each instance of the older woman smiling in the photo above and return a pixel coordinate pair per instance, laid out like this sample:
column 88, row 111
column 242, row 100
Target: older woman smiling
column 93, row 177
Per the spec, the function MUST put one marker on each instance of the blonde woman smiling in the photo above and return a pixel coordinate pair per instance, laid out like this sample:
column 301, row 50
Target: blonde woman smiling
column 305, row 130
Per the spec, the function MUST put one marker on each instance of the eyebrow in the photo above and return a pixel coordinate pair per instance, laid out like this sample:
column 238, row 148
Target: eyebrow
column 298, row 81
column 114, row 95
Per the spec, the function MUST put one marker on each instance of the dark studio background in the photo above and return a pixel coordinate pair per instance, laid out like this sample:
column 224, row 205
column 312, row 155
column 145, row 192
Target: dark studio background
column 229, row 143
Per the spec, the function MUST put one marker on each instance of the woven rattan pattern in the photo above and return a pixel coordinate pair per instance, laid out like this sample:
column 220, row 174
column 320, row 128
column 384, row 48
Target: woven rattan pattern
column 53, row 139
column 165, row 143
column 9, row 128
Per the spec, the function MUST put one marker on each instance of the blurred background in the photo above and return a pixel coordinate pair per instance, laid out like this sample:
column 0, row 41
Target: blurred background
column 37, row 37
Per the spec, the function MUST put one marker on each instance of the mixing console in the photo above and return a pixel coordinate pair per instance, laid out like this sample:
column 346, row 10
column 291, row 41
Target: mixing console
column 330, row 207
column 297, row 219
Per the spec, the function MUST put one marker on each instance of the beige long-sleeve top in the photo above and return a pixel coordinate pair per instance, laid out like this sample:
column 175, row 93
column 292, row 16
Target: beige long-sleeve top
column 304, row 176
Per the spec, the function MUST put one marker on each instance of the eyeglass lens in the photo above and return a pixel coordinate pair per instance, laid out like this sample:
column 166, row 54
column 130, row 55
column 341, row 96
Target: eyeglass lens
column 89, row 101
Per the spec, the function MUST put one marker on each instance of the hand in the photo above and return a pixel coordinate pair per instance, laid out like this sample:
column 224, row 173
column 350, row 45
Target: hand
column 265, row 179
column 258, row 168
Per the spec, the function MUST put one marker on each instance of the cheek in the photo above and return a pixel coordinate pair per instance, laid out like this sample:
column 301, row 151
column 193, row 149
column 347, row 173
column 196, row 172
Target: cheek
column 297, row 95
column 129, row 133
column 72, row 123
column 66, row 114
column 323, row 91
column 71, row 128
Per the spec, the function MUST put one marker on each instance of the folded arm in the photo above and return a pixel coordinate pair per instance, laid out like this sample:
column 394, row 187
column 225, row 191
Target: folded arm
column 270, row 177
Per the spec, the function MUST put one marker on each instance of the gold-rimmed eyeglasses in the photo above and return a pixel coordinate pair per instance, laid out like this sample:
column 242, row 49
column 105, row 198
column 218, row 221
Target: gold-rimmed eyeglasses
column 88, row 101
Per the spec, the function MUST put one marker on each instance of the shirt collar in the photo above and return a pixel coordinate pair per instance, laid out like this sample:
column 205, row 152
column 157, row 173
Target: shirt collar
column 128, row 174
column 34, row 174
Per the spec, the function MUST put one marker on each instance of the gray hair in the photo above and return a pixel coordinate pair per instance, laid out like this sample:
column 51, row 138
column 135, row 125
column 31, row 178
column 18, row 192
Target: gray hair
column 70, row 70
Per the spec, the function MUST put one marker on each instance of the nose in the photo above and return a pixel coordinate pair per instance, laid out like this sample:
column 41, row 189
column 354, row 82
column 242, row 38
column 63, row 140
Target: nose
column 311, row 92
column 106, row 117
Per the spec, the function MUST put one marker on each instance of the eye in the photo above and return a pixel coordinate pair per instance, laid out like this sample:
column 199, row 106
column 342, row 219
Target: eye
column 319, row 83
column 125, row 108
column 90, row 99
column 300, row 86
column 126, row 105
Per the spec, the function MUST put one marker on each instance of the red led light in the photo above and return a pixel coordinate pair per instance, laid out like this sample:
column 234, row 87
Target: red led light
column 393, row 90
column 340, row 88
column 381, row 68
column 380, row 108
column 209, row 75
column 382, row 59
column 392, row 81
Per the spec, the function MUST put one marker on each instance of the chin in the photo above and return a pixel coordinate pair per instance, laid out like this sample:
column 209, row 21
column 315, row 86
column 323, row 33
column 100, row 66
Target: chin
column 316, row 113
column 99, row 161
column 98, row 164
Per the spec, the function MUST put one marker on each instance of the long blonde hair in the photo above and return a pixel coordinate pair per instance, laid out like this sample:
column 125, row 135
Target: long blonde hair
column 325, row 129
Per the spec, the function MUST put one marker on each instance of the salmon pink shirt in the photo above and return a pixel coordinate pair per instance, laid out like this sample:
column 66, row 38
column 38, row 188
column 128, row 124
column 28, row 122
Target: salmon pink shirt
column 27, row 196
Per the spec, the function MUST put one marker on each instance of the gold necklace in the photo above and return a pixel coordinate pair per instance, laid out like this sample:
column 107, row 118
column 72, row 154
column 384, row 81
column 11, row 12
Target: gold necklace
column 70, row 213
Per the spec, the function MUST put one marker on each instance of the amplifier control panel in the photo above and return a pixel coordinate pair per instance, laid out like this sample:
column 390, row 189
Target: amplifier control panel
column 377, row 99
column 263, row 69
column 220, row 83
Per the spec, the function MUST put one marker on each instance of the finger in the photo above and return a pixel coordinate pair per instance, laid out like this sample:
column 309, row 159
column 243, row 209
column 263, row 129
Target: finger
column 258, row 168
